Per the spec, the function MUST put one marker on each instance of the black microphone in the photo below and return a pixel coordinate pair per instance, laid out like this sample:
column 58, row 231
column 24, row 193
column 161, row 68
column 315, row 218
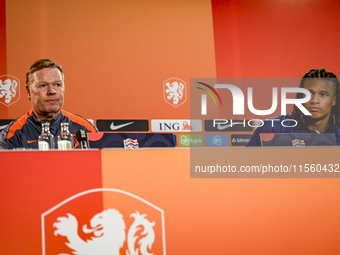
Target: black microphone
column 81, row 136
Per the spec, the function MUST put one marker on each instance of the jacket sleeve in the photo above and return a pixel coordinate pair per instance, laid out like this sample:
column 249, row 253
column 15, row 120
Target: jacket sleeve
column 13, row 143
column 3, row 143
column 95, row 127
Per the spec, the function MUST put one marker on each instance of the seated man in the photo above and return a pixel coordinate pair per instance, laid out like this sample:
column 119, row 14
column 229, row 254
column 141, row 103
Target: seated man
column 323, row 106
column 45, row 89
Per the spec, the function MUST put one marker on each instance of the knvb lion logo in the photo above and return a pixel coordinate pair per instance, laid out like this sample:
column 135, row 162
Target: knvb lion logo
column 9, row 89
column 174, row 91
column 123, row 225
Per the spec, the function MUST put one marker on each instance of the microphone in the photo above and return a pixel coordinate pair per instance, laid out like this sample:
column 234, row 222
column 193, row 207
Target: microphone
column 81, row 136
column 316, row 131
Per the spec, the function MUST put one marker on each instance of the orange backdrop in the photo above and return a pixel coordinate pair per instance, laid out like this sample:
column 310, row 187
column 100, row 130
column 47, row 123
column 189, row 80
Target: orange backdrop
column 116, row 54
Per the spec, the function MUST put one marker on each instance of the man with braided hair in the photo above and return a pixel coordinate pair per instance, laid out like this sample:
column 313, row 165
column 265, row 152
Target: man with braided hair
column 324, row 107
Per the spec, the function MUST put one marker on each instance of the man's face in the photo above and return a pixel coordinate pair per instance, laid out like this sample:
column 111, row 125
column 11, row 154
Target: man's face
column 47, row 92
column 322, row 100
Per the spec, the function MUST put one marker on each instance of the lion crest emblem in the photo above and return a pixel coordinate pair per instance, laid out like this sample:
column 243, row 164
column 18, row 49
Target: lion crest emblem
column 128, row 225
column 174, row 91
column 9, row 89
column 108, row 228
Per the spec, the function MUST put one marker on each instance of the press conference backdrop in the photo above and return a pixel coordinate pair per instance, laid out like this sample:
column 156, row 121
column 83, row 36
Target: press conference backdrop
column 119, row 55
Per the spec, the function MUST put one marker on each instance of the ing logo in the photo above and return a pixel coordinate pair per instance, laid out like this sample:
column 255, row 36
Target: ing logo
column 204, row 97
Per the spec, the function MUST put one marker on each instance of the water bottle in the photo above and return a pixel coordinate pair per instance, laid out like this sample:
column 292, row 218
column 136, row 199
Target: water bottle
column 65, row 139
column 45, row 139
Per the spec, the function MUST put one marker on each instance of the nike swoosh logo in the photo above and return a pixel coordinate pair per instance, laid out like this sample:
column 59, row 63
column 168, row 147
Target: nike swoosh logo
column 221, row 127
column 2, row 127
column 32, row 141
column 113, row 127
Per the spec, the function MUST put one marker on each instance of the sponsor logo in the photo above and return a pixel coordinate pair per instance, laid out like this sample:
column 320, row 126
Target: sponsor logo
column 174, row 91
column 240, row 140
column 126, row 224
column 113, row 127
column 298, row 143
column 131, row 143
column 9, row 90
column 176, row 125
column 228, row 125
column 217, row 140
column 184, row 140
column 123, row 125
column 190, row 140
